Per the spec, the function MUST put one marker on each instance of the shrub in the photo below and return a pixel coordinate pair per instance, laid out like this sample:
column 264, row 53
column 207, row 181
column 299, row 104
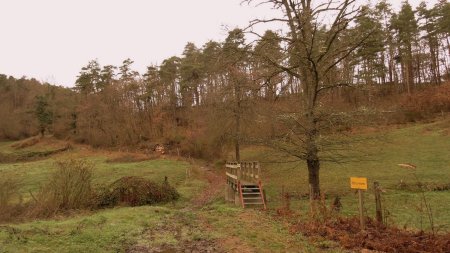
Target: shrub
column 68, row 188
column 136, row 191
column 10, row 197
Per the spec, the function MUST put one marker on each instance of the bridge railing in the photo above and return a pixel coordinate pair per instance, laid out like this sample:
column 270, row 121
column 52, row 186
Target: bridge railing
column 243, row 171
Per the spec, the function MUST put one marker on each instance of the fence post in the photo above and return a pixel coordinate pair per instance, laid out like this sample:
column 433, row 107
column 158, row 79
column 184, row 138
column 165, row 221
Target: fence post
column 361, row 209
column 239, row 171
column 378, row 210
column 259, row 171
column 252, row 175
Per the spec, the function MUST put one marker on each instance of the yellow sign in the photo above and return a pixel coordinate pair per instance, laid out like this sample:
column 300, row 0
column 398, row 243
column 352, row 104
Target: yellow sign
column 358, row 183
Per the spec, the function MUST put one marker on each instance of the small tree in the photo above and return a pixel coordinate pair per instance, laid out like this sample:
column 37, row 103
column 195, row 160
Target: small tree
column 43, row 114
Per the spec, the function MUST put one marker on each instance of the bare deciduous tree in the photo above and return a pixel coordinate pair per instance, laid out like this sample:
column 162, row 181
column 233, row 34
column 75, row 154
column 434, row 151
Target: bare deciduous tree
column 315, row 49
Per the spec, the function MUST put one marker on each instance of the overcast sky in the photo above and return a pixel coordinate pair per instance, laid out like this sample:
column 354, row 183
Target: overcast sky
column 51, row 40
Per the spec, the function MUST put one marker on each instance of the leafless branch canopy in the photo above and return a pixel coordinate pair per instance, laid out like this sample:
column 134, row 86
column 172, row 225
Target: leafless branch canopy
column 316, row 40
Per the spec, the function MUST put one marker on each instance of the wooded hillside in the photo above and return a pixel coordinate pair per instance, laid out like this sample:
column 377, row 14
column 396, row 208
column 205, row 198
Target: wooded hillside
column 229, row 92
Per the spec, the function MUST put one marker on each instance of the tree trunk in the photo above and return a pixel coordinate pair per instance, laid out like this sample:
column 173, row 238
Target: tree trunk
column 312, row 157
column 409, row 69
column 237, row 115
column 197, row 95
column 237, row 151
column 313, row 176
column 434, row 62
column 237, row 132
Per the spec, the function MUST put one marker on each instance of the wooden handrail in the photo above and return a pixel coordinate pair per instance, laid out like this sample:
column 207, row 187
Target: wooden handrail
column 246, row 171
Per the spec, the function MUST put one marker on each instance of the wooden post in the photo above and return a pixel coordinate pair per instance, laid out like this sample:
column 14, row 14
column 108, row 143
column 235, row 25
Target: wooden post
column 258, row 169
column 244, row 168
column 239, row 172
column 360, row 183
column 361, row 209
column 378, row 211
column 227, row 193
column 237, row 198
column 230, row 194
column 253, row 172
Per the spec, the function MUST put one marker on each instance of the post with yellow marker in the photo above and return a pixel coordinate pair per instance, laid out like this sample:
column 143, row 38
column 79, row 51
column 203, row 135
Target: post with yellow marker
column 360, row 183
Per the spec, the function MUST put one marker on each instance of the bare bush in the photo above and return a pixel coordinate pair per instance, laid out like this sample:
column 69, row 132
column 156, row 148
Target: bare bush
column 10, row 197
column 69, row 188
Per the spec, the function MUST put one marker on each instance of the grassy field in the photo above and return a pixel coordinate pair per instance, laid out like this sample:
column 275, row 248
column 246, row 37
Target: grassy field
column 157, row 228
column 165, row 228
column 425, row 145
column 111, row 230
column 218, row 226
column 32, row 174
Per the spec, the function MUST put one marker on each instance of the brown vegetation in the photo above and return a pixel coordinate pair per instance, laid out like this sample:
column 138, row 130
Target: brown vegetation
column 27, row 142
column 424, row 104
column 10, row 197
column 31, row 155
column 376, row 236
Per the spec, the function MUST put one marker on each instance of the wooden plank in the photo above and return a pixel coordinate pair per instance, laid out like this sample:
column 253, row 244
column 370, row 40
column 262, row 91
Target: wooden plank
column 231, row 175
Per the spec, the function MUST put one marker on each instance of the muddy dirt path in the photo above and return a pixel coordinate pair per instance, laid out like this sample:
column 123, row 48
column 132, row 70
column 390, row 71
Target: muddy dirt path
column 214, row 190
column 188, row 230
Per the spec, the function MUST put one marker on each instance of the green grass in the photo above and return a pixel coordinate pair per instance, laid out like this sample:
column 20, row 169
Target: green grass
column 149, row 227
column 256, row 230
column 425, row 145
column 112, row 230
column 171, row 225
column 153, row 227
column 33, row 174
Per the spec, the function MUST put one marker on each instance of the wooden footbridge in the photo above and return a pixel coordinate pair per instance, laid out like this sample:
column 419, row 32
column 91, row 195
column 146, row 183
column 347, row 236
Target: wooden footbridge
column 244, row 184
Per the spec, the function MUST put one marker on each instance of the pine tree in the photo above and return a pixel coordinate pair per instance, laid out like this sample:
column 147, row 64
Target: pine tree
column 406, row 27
